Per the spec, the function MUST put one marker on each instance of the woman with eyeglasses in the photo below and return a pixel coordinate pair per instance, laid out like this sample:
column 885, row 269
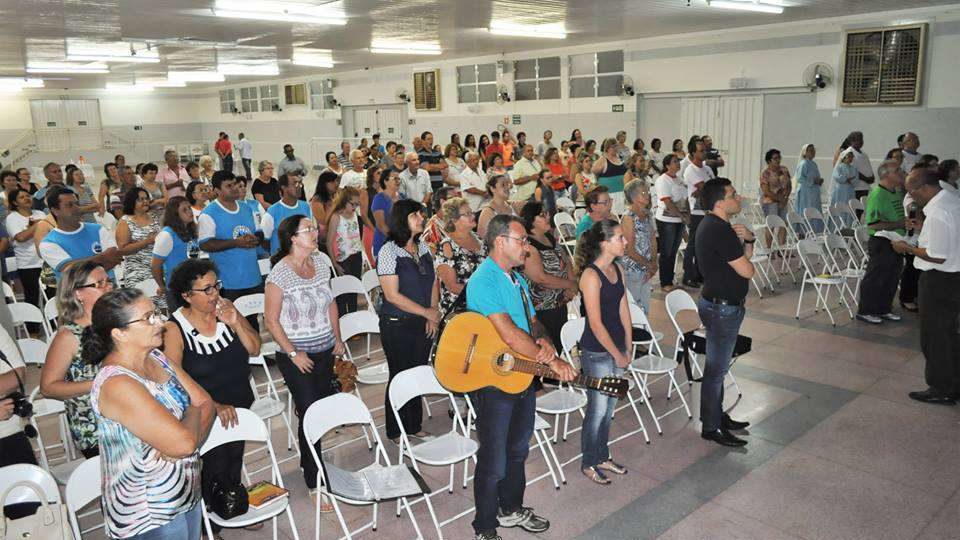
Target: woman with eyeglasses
column 343, row 241
column 383, row 204
column 410, row 312
column 460, row 252
column 152, row 418
column 65, row 376
column 211, row 342
column 640, row 258
column 304, row 321
column 198, row 195
column 136, row 232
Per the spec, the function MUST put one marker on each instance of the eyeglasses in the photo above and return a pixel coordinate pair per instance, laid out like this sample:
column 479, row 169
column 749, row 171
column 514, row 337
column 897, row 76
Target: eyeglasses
column 143, row 199
column 100, row 284
column 307, row 230
column 209, row 289
column 603, row 203
column 153, row 319
column 523, row 241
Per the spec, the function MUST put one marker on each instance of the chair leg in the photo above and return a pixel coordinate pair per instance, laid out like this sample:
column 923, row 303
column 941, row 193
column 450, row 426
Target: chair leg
column 546, row 458
column 673, row 382
column 643, row 388
column 293, row 525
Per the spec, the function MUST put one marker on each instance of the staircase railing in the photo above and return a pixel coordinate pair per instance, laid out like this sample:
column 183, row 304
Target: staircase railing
column 20, row 148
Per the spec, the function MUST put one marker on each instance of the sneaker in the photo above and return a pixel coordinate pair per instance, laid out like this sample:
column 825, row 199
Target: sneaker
column 488, row 535
column 525, row 519
column 892, row 316
column 872, row 319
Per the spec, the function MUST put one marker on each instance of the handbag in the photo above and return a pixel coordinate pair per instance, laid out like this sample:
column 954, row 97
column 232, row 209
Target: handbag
column 698, row 344
column 50, row 522
column 228, row 500
column 345, row 375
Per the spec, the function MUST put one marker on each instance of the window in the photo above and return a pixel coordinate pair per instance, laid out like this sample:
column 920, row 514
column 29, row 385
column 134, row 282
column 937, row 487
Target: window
column 477, row 83
column 269, row 98
column 426, row 90
column 295, row 94
column 537, row 78
column 597, row 74
column 249, row 100
column 228, row 101
column 321, row 94
column 883, row 66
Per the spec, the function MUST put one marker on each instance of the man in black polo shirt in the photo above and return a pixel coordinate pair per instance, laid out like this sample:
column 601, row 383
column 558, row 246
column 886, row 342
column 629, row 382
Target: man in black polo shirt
column 431, row 161
column 726, row 268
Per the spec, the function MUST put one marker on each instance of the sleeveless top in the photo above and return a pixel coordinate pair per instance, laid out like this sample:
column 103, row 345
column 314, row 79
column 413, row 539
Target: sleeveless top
column 463, row 261
column 348, row 238
column 141, row 489
column 610, row 296
column 136, row 267
column 554, row 264
column 80, row 417
column 220, row 363
column 641, row 241
column 612, row 177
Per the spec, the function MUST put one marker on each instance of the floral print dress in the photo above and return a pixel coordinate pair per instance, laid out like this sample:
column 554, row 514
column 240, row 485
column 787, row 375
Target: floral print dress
column 463, row 262
column 80, row 417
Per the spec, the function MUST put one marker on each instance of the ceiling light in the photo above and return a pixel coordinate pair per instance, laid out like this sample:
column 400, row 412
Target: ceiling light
column 16, row 83
column 550, row 31
column 759, row 7
column 195, row 76
column 294, row 12
column 114, row 51
column 405, row 47
column 312, row 57
column 108, row 58
column 164, row 83
column 62, row 67
column 248, row 69
column 126, row 87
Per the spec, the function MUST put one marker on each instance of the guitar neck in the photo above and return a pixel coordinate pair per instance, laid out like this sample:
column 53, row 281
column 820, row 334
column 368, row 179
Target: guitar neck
column 542, row 370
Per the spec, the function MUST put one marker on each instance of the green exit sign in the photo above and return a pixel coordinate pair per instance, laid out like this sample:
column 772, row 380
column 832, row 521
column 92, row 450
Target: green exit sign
column 516, row 119
column 618, row 108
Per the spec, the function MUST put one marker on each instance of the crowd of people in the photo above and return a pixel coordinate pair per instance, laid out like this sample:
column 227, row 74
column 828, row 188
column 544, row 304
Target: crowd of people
column 143, row 379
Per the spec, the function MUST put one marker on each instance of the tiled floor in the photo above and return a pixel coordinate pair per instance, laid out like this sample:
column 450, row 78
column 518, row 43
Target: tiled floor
column 837, row 450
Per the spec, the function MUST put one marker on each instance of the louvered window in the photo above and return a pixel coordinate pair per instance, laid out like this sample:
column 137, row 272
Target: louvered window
column 477, row 83
column 537, row 78
column 426, row 90
column 883, row 66
column 596, row 74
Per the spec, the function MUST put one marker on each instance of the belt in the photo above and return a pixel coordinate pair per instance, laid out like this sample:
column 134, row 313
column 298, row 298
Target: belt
column 724, row 301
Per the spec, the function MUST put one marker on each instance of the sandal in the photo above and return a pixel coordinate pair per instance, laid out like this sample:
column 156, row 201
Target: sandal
column 325, row 506
column 254, row 527
column 594, row 473
column 612, row 466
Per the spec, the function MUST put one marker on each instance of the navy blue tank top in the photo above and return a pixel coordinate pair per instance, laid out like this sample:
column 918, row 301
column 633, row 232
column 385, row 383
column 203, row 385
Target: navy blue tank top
column 610, row 296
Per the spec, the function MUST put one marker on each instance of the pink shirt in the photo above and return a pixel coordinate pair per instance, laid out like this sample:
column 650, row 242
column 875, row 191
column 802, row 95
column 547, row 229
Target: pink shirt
column 174, row 180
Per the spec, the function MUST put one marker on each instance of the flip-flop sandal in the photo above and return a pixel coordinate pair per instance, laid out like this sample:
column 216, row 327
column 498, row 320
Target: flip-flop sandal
column 594, row 474
column 612, row 466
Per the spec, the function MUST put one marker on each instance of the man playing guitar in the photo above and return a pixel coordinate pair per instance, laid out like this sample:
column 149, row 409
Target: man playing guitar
column 505, row 421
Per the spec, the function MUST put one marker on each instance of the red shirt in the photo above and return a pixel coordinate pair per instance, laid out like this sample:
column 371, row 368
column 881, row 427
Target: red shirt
column 494, row 148
column 223, row 147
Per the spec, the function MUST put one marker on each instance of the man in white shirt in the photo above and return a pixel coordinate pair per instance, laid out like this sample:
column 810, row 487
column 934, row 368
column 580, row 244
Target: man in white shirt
column 545, row 144
column 356, row 176
column 696, row 174
column 525, row 174
column 861, row 161
column 473, row 185
column 14, row 444
column 910, row 155
column 246, row 154
column 414, row 181
column 937, row 254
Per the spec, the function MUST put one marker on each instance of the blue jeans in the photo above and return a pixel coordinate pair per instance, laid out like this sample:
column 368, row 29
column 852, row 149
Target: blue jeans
column 596, row 423
column 504, row 428
column 639, row 288
column 723, row 325
column 186, row 526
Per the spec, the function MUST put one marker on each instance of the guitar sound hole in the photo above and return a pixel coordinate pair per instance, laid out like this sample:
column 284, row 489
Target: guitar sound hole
column 504, row 363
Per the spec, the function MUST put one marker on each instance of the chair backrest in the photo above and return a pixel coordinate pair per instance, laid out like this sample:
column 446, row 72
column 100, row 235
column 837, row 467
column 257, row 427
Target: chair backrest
column 33, row 351
column 8, row 290
column 326, row 260
column 21, row 472
column 414, row 382
column 370, row 280
column 82, row 488
column 249, row 428
column 11, row 263
column 855, row 205
column 359, row 322
column 570, row 334
column 638, row 318
column 332, row 412
column 22, row 312
column 565, row 204
column 250, row 304
column 51, row 312
column 565, row 225
column 149, row 287
column 775, row 223
column 796, row 220
column 579, row 213
column 812, row 213
column 811, row 254
column 265, row 266
column 676, row 301
column 346, row 285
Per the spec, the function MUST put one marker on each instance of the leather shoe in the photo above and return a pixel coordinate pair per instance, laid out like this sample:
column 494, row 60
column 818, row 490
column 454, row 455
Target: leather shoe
column 730, row 424
column 692, row 284
column 723, row 437
column 930, row 396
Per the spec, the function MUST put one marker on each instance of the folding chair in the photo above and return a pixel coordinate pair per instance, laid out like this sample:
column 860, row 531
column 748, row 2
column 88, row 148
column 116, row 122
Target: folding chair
column 845, row 264
column 565, row 399
column 566, row 204
column 857, row 205
column 812, row 217
column 326, row 260
column 798, row 224
column 252, row 429
column 784, row 249
column 653, row 365
column 44, row 407
column 33, row 351
column 22, row 313
column 8, row 292
column 265, row 266
column 680, row 300
column 83, row 488
column 321, row 418
column 52, row 313
column 268, row 405
column 811, row 256
column 347, row 284
column 443, row 450
column 150, row 287
column 566, row 227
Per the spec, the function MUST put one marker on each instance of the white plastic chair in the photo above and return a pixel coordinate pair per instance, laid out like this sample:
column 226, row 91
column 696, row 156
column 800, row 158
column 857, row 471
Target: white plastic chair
column 565, row 399
column 11, row 264
column 359, row 322
column 250, row 304
column 326, row 415
column 348, row 284
column 443, row 450
column 33, row 351
column 798, row 224
column 811, row 256
column 785, row 249
column 83, row 488
column 249, row 428
column 268, row 405
column 265, row 266
column 22, row 313
column 52, row 314
column 8, row 290
column 653, row 365
column 857, row 206
column 810, row 215
column 566, row 204
column 844, row 263
column 326, row 260
column 370, row 280
column 25, row 472
column 44, row 407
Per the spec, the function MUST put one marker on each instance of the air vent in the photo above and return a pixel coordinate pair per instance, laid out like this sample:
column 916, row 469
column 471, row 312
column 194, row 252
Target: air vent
column 883, row 66
column 426, row 90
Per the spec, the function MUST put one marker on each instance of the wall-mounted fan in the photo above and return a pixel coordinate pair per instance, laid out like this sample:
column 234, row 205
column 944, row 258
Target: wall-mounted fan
column 817, row 76
column 627, row 87
column 403, row 95
column 503, row 94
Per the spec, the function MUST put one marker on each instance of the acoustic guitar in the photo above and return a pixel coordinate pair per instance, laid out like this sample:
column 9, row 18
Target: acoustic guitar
column 470, row 355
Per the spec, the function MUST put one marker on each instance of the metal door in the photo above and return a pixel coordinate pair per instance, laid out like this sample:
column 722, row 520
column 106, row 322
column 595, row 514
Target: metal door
column 364, row 123
column 50, row 124
column 736, row 125
column 83, row 123
column 391, row 124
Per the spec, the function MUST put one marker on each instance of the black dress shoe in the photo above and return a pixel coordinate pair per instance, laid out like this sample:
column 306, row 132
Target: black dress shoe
column 931, row 396
column 730, row 424
column 723, row 437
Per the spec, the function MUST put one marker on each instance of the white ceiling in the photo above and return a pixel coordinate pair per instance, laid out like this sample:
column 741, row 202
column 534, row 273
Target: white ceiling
column 36, row 30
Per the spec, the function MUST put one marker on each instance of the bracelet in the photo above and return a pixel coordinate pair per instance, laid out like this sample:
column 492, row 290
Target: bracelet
column 749, row 241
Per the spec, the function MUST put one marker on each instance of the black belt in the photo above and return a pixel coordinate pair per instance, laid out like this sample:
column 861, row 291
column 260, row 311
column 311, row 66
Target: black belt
column 724, row 301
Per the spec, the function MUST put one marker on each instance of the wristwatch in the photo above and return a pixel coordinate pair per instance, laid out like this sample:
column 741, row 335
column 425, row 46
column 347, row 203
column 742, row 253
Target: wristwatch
column 292, row 354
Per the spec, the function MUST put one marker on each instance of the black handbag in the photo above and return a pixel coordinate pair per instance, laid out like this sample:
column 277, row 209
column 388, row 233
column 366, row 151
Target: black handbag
column 698, row 344
column 229, row 499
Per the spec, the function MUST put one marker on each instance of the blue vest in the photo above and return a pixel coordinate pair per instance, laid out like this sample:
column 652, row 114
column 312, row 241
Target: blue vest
column 80, row 244
column 280, row 212
column 237, row 267
column 178, row 253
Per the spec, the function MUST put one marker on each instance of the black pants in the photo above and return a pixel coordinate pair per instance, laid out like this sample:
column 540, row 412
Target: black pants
column 880, row 280
column 307, row 388
column 227, row 164
column 669, row 236
column 690, row 270
column 30, row 279
column 16, row 449
column 233, row 294
column 406, row 345
column 909, row 281
column 352, row 265
column 858, row 194
column 246, row 168
column 939, row 308
column 552, row 320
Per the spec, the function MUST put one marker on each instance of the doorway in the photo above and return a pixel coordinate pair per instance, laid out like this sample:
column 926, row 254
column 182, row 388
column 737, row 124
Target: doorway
column 64, row 124
column 736, row 125
column 390, row 121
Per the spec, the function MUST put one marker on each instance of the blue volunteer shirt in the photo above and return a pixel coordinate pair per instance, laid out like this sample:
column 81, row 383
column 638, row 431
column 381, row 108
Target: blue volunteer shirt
column 172, row 250
column 60, row 247
column 238, row 268
column 275, row 216
column 490, row 290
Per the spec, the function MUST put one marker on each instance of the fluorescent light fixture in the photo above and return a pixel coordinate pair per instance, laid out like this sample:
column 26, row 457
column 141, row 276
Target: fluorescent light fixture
column 405, row 47
column 312, row 57
column 108, row 58
column 126, row 87
column 112, row 51
column 7, row 83
column 63, row 67
column 758, row 7
column 294, row 12
column 549, row 31
column 164, row 83
column 248, row 69
column 195, row 76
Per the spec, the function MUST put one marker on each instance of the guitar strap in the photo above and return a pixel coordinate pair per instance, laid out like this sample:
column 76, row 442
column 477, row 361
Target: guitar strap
column 526, row 305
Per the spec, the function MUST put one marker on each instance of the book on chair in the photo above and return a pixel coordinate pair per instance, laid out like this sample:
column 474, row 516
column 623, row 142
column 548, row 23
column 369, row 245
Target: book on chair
column 263, row 493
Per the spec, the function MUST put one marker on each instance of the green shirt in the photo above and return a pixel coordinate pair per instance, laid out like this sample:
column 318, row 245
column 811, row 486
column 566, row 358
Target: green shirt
column 585, row 223
column 884, row 205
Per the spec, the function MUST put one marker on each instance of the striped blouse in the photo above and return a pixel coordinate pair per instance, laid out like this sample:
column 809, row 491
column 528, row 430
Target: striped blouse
column 141, row 489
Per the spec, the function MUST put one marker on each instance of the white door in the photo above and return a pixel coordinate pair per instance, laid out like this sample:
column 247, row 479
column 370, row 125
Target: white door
column 364, row 123
column 83, row 123
column 50, row 124
column 736, row 125
column 391, row 124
